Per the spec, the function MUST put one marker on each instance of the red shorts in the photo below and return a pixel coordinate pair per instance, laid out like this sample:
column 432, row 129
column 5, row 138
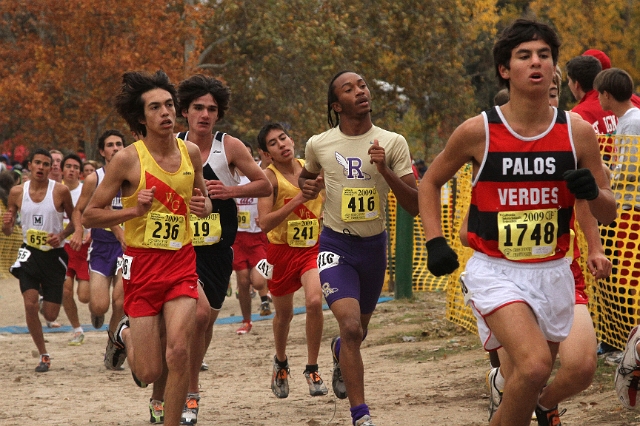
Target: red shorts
column 249, row 249
column 155, row 276
column 289, row 264
column 78, row 266
column 581, row 296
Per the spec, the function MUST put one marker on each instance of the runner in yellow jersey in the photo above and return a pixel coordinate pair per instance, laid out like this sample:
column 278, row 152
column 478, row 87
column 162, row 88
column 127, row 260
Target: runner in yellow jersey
column 161, row 182
column 292, row 223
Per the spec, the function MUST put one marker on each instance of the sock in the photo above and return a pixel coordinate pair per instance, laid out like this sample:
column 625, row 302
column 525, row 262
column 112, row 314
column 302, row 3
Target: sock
column 282, row 364
column 542, row 408
column 311, row 368
column 358, row 412
column 264, row 298
column 78, row 330
column 499, row 380
column 43, row 355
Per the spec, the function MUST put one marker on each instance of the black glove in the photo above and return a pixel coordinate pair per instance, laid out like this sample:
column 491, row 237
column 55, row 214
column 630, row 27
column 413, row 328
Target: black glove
column 582, row 184
column 441, row 259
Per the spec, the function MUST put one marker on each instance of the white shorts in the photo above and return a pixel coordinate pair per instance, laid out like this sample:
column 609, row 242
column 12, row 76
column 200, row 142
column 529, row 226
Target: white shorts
column 548, row 288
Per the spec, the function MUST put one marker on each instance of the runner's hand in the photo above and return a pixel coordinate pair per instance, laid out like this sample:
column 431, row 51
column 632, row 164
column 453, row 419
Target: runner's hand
column 441, row 259
column 582, row 184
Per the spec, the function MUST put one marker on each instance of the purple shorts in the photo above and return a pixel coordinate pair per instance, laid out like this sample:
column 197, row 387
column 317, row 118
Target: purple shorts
column 103, row 257
column 352, row 267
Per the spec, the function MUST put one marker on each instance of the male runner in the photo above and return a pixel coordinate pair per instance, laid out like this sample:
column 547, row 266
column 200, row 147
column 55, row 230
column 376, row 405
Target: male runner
column 41, row 265
column 530, row 162
column 161, row 182
column 361, row 163
column 292, row 223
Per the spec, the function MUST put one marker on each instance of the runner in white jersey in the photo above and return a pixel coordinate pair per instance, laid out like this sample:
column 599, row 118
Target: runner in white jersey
column 78, row 267
column 361, row 162
column 42, row 262
column 106, row 248
column 249, row 248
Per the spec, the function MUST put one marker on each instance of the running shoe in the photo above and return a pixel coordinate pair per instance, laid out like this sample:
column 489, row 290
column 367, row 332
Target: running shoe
column 364, row 421
column 190, row 410
column 77, row 339
column 116, row 353
column 280, row 380
column 45, row 364
column 156, row 411
column 97, row 321
column 265, row 308
column 229, row 290
column 613, row 358
column 252, row 292
column 337, row 382
column 245, row 328
column 204, row 366
column 316, row 385
column 53, row 324
column 549, row 417
column 495, row 396
column 627, row 380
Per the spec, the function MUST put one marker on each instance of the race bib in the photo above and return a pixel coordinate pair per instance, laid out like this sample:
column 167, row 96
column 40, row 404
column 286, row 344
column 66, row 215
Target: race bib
column 528, row 234
column 265, row 269
column 38, row 239
column 127, row 261
column 205, row 231
column 302, row 233
column 244, row 220
column 164, row 231
column 327, row 259
column 360, row 204
column 23, row 255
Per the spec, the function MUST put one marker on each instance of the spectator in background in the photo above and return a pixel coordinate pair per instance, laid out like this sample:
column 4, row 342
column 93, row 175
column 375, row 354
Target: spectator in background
column 582, row 71
column 88, row 167
column 606, row 64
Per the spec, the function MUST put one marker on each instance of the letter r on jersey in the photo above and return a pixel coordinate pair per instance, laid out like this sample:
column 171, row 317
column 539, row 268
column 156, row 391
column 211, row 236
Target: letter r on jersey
column 354, row 171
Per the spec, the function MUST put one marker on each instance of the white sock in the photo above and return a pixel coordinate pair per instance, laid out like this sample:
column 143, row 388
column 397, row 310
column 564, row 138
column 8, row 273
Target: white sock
column 499, row 381
column 78, row 330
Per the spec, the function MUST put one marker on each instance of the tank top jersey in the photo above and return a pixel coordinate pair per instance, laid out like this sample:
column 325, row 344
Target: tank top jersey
column 41, row 216
column 75, row 195
column 171, row 198
column 521, row 209
column 100, row 234
column 306, row 211
column 216, row 167
column 356, row 192
column 247, row 211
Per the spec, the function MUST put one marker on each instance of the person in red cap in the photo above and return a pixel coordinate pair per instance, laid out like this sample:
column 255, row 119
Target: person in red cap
column 581, row 72
column 606, row 64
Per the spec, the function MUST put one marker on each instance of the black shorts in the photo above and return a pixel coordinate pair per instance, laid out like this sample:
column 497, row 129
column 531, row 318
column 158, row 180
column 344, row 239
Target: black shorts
column 214, row 267
column 44, row 271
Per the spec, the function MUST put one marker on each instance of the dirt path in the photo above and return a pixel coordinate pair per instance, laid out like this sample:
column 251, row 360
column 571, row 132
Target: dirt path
column 420, row 370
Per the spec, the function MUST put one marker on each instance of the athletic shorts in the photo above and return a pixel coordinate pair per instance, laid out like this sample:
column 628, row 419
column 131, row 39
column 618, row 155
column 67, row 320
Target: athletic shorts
column 78, row 267
column 547, row 288
column 103, row 257
column 43, row 271
column 249, row 249
column 287, row 265
column 578, row 278
column 352, row 267
column 214, row 272
column 153, row 277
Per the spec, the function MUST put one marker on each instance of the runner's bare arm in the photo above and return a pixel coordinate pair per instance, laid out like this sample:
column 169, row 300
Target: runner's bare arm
column 200, row 205
column 88, row 187
column 269, row 219
column 124, row 171
column 238, row 155
column 403, row 187
column 14, row 203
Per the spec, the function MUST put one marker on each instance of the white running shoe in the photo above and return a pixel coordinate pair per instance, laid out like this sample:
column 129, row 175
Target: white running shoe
column 627, row 380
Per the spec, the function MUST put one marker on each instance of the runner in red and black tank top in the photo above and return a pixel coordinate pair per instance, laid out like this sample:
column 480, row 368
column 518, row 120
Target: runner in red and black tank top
column 523, row 175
